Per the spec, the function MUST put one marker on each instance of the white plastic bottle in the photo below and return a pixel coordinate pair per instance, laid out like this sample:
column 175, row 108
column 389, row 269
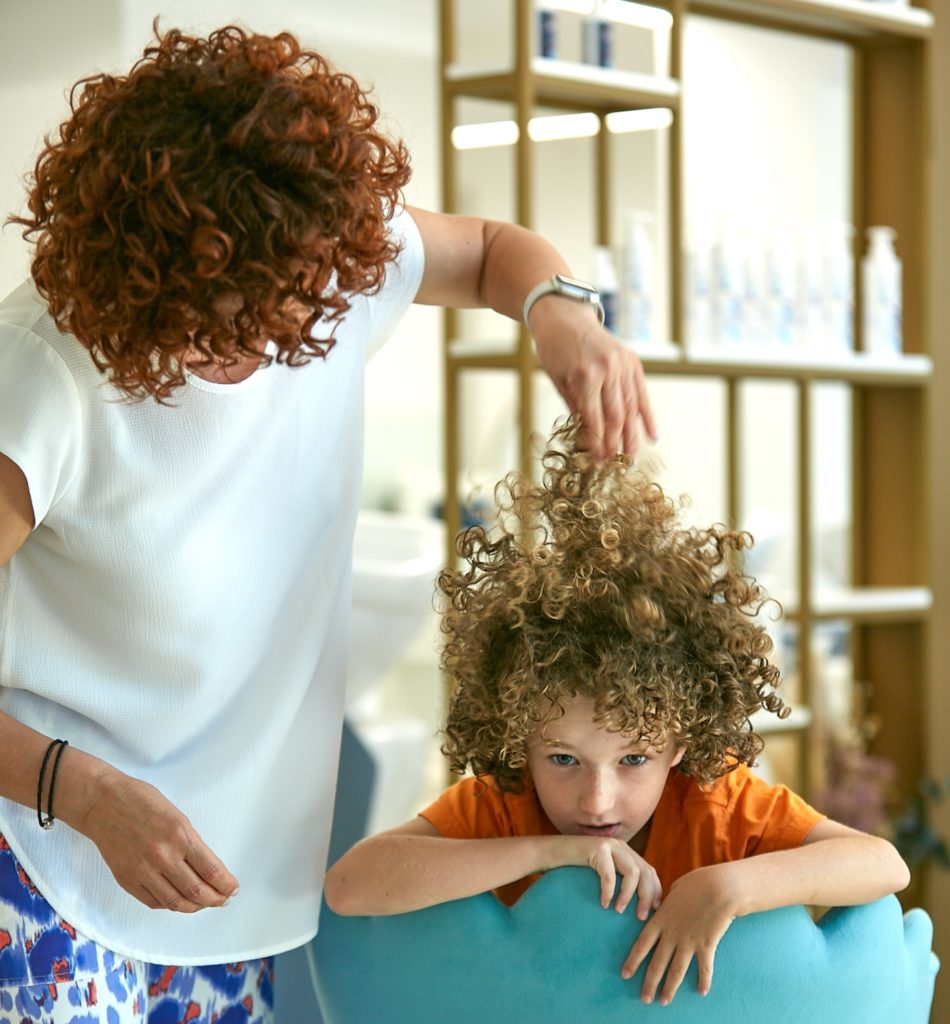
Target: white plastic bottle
column 839, row 289
column 781, row 268
column 728, row 291
column 607, row 284
column 638, row 298
column 699, row 311
column 598, row 40
column 754, row 287
column 881, row 277
column 546, row 28
column 811, row 296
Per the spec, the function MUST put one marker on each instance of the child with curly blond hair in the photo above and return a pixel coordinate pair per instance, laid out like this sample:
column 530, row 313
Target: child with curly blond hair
column 606, row 662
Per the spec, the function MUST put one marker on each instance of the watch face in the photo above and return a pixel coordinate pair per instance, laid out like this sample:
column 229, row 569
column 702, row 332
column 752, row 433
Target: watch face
column 575, row 289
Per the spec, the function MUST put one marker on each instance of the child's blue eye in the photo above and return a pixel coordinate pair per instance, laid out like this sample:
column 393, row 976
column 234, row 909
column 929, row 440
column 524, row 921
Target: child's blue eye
column 634, row 760
column 563, row 760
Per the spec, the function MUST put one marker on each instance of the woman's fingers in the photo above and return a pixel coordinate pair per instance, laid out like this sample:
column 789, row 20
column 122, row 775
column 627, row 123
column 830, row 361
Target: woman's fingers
column 154, row 851
column 211, row 872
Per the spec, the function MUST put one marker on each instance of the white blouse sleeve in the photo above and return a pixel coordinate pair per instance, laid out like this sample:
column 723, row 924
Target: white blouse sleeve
column 40, row 416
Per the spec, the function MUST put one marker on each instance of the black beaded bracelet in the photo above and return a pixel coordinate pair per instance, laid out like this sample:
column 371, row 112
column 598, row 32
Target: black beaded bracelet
column 59, row 746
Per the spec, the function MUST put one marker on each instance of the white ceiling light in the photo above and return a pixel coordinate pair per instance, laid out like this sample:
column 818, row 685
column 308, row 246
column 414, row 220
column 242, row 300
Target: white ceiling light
column 482, row 136
column 563, row 126
column 651, row 119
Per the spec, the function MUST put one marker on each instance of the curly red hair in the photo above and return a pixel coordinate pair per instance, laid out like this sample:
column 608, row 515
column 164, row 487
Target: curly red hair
column 593, row 586
column 227, row 191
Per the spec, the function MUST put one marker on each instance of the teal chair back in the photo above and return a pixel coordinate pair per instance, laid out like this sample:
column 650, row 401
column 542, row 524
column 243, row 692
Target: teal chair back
column 555, row 958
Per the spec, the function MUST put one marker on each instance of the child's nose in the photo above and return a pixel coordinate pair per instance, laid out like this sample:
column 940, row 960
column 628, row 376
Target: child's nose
column 597, row 797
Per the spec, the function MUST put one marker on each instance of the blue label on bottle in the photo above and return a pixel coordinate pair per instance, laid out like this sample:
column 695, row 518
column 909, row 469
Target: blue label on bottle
column 547, row 34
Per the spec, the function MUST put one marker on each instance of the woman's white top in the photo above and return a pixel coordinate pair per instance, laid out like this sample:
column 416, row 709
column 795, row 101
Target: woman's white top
column 181, row 610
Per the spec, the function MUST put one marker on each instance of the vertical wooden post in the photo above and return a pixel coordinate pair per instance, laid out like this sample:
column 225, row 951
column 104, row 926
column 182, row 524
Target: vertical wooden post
column 524, row 205
column 452, row 409
column 676, row 188
column 807, row 765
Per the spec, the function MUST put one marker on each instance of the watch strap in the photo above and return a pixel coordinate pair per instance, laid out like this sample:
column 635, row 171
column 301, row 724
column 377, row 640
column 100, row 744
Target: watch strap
column 569, row 288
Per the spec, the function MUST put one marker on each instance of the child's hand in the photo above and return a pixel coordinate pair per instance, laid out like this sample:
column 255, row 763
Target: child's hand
column 610, row 857
column 691, row 920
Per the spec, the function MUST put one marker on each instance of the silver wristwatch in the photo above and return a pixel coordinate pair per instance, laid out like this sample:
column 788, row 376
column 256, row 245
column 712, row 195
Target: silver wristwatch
column 570, row 288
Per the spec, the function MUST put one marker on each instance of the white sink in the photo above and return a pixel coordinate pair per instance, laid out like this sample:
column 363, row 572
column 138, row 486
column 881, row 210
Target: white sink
column 395, row 561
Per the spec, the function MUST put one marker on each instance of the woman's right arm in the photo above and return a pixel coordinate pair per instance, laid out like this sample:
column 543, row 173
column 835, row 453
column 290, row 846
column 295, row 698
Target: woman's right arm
column 413, row 866
column 151, row 848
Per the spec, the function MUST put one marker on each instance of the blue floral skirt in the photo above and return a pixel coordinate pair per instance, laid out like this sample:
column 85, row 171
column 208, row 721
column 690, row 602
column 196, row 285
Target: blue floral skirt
column 52, row 974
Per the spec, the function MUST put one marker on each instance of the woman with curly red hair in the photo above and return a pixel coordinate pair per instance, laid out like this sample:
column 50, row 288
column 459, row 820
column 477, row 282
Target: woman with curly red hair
column 219, row 241
column 606, row 662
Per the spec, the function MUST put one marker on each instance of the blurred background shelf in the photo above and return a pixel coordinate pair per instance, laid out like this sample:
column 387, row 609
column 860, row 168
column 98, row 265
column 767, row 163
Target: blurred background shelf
column 851, row 20
column 569, row 84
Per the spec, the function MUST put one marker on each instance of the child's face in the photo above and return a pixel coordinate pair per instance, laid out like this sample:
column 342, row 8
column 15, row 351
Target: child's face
column 594, row 782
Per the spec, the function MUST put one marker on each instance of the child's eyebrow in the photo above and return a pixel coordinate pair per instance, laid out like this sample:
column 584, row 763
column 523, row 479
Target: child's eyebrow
column 639, row 746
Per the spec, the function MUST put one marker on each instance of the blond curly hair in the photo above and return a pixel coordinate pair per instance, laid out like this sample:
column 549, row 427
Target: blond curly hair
column 591, row 585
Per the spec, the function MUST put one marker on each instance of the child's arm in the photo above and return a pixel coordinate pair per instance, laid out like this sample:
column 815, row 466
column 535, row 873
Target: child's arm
column 834, row 866
column 414, row 866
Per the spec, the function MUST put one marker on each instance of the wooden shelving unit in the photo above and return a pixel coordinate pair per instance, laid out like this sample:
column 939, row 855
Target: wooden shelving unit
column 889, row 605
column 900, row 149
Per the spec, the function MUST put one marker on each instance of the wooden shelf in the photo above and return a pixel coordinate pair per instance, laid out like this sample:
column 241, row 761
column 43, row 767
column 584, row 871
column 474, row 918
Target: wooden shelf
column 895, row 54
column 909, row 370
column 866, row 605
column 850, row 367
column 568, row 85
column 766, row 724
column 850, row 20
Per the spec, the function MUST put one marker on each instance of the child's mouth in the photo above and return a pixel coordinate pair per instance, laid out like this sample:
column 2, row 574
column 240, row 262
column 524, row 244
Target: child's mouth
column 600, row 830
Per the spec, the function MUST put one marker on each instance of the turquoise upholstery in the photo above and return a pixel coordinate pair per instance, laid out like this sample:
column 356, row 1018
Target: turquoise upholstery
column 555, row 958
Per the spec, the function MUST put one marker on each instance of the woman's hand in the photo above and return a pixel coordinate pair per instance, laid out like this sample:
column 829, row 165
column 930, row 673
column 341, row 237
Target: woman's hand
column 691, row 920
column 610, row 857
column 152, row 849
column 601, row 380
column 471, row 263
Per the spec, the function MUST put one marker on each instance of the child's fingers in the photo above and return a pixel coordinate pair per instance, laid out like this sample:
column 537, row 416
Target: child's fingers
column 655, row 971
column 604, row 866
column 650, row 891
column 704, row 962
column 646, row 902
column 674, row 975
column 639, row 952
column 628, row 886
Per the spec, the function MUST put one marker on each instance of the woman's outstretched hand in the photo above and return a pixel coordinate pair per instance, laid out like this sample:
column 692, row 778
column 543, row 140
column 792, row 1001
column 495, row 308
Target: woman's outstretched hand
column 152, row 849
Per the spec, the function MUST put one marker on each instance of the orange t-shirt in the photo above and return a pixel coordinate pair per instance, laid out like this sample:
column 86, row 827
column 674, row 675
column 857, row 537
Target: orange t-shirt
column 738, row 816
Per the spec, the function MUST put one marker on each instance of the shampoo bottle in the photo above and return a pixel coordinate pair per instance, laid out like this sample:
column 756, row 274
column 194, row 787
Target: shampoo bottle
column 598, row 38
column 839, row 290
column 607, row 285
column 546, row 27
column 754, row 287
column 881, row 277
column 781, row 266
column 638, row 303
column 728, row 290
column 699, row 314
column 811, row 304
